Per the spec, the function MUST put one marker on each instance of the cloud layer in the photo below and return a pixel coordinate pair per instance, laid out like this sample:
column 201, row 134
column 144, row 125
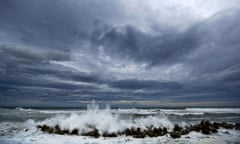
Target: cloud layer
column 64, row 53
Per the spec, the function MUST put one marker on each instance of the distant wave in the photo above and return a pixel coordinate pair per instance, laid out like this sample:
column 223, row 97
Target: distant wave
column 24, row 109
column 48, row 111
column 59, row 111
column 180, row 112
column 186, row 113
column 201, row 111
column 214, row 110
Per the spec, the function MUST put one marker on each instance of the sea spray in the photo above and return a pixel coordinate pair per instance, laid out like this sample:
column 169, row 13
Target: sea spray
column 104, row 121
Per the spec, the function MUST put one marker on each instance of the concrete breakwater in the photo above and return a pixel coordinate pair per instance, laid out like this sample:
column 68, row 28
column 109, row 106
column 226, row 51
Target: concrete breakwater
column 205, row 127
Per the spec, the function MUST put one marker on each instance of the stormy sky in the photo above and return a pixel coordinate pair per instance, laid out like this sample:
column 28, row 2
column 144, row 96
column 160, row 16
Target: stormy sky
column 122, row 52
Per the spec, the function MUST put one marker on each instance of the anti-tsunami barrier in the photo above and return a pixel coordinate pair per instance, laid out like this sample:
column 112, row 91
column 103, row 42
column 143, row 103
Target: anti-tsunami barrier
column 205, row 127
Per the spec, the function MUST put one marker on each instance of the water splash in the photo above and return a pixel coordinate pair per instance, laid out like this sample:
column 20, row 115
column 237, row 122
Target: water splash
column 104, row 121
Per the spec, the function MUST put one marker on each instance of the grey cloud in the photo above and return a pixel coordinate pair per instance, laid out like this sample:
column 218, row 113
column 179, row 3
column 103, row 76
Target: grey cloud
column 212, row 44
column 232, row 77
column 71, row 75
column 165, row 48
column 38, row 82
column 56, row 23
column 35, row 33
column 23, row 54
column 132, row 84
column 220, row 44
column 20, row 53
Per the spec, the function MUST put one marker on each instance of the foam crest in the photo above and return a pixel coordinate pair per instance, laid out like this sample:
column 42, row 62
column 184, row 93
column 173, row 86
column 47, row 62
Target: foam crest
column 214, row 110
column 23, row 109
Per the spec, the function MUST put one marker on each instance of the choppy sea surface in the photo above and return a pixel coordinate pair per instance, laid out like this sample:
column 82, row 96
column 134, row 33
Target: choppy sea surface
column 19, row 125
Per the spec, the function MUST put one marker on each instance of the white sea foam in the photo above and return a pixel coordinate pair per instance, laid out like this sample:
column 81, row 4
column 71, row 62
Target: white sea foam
column 136, row 111
column 200, row 111
column 214, row 110
column 49, row 111
column 60, row 111
column 181, row 112
column 23, row 109
column 104, row 120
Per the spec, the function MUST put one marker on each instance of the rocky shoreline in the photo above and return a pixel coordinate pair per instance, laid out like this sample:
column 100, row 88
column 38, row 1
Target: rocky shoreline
column 205, row 127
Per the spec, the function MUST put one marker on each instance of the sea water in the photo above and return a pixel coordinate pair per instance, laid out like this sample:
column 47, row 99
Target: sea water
column 19, row 125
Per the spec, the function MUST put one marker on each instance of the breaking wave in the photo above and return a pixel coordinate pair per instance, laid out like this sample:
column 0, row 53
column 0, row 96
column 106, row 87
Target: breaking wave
column 214, row 110
column 104, row 121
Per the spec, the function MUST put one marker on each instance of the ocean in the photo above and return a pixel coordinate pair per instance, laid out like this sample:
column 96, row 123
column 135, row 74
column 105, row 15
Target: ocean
column 20, row 125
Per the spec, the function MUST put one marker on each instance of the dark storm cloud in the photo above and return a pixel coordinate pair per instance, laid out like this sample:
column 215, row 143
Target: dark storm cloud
column 145, row 84
column 37, row 37
column 210, row 47
column 68, row 75
column 38, row 82
column 219, row 33
column 165, row 48
column 233, row 77
column 31, row 54
column 56, row 24
column 42, row 31
column 220, row 44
